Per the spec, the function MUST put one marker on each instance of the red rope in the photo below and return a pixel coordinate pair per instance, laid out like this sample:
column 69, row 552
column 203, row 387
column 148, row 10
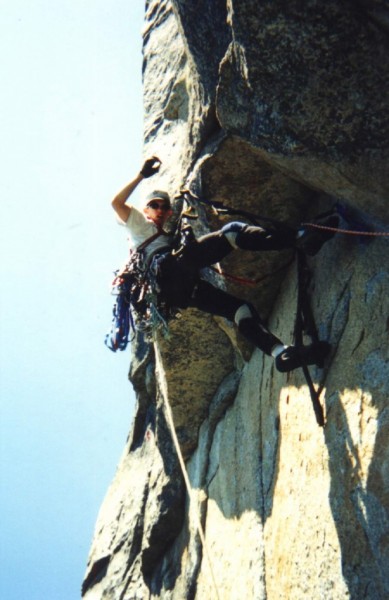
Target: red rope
column 347, row 231
column 235, row 278
column 245, row 281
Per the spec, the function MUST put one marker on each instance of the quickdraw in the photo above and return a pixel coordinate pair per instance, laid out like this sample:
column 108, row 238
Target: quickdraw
column 220, row 208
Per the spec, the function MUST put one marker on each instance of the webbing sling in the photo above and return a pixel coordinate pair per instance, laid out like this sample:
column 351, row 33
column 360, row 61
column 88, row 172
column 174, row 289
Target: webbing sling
column 305, row 322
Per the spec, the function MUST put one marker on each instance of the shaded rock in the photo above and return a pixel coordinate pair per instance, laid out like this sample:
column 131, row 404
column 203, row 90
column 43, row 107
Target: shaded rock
column 308, row 84
column 193, row 371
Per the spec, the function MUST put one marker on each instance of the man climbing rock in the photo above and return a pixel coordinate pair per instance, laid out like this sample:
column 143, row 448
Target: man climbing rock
column 178, row 274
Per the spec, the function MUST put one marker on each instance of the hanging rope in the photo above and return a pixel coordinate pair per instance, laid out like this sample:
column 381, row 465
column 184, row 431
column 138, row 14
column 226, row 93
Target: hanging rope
column 192, row 499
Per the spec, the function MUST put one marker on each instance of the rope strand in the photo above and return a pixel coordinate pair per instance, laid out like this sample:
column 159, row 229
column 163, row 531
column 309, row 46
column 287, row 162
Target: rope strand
column 185, row 475
column 347, row 231
column 190, row 493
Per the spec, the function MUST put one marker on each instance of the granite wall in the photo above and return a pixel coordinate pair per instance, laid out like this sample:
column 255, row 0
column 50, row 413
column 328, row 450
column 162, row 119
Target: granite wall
column 280, row 109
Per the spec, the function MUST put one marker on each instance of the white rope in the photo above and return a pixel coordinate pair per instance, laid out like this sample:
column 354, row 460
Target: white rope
column 185, row 475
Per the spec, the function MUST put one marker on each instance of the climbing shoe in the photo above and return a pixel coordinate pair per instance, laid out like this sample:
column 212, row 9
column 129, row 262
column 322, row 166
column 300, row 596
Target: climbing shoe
column 311, row 239
column 294, row 357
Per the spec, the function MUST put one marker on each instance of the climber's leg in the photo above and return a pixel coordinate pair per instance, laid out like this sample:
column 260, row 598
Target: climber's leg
column 205, row 251
column 212, row 300
column 293, row 357
column 286, row 358
column 253, row 328
column 309, row 239
column 249, row 237
column 213, row 247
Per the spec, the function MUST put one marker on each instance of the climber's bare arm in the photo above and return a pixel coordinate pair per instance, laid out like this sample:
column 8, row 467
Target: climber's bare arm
column 119, row 203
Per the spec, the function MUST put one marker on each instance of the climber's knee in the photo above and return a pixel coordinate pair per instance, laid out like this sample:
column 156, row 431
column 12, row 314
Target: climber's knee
column 253, row 328
column 232, row 230
column 244, row 312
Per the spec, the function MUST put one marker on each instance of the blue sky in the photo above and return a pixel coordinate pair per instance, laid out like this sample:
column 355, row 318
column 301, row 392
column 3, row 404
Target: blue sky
column 71, row 136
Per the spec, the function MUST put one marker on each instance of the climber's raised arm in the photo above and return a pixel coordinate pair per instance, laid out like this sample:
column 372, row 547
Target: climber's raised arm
column 119, row 203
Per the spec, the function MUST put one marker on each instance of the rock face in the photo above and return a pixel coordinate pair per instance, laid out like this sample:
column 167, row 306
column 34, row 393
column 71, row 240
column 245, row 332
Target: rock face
column 280, row 109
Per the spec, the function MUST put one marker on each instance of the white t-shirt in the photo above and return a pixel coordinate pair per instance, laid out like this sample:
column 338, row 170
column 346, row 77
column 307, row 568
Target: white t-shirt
column 141, row 229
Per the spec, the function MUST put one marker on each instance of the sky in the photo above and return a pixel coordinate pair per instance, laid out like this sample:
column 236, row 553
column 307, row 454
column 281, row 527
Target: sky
column 71, row 137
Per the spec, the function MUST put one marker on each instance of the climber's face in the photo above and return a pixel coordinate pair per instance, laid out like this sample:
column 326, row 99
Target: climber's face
column 158, row 211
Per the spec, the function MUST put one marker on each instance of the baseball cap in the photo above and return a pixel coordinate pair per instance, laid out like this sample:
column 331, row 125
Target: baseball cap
column 157, row 195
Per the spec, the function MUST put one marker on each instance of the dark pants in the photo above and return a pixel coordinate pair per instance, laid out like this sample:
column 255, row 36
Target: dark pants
column 181, row 285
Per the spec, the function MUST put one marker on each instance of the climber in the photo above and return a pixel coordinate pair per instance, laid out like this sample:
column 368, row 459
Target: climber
column 178, row 274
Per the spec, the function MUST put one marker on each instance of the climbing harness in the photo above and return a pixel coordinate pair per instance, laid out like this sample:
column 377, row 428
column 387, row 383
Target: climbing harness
column 139, row 305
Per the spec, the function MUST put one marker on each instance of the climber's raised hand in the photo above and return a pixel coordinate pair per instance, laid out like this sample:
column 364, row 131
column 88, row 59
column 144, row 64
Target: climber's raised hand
column 150, row 167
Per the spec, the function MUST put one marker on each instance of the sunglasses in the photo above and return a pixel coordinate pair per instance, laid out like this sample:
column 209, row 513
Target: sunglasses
column 156, row 205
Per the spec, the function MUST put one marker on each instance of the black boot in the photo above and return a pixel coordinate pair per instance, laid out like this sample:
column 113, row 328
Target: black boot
column 255, row 331
column 294, row 357
column 312, row 239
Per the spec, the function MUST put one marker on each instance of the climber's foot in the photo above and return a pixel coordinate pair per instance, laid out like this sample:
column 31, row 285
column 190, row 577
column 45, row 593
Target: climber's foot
column 311, row 239
column 294, row 357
